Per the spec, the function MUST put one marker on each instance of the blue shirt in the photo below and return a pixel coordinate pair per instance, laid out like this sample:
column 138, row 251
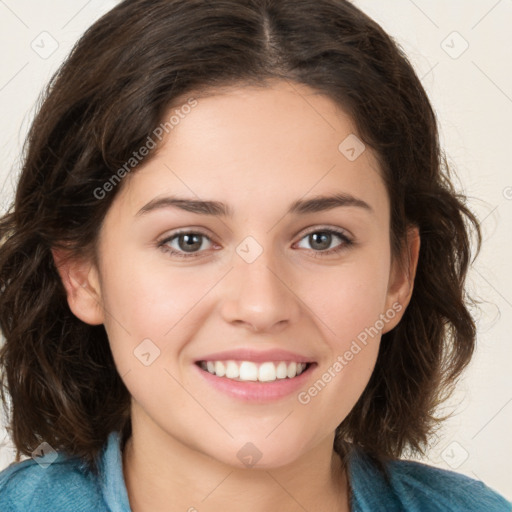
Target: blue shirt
column 67, row 486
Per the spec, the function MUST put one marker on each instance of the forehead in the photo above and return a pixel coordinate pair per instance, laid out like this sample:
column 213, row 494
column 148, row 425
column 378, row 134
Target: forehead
column 247, row 144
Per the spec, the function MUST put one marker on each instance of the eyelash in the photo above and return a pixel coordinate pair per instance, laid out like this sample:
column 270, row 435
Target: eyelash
column 347, row 242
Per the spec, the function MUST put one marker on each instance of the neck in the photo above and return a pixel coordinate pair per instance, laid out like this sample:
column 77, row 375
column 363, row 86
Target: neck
column 160, row 471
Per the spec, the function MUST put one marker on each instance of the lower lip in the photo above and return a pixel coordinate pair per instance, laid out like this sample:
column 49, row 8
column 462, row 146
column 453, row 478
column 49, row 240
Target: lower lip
column 252, row 391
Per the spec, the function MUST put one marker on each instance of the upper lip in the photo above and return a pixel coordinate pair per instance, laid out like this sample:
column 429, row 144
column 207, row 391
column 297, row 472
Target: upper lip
column 256, row 356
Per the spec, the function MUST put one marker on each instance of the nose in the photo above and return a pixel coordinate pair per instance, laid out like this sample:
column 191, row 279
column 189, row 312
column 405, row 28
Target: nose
column 259, row 295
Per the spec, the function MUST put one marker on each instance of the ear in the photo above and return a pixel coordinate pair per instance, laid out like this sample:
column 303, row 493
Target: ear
column 401, row 282
column 81, row 281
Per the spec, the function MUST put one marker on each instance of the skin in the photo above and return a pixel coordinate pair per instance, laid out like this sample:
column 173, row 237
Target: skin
column 257, row 150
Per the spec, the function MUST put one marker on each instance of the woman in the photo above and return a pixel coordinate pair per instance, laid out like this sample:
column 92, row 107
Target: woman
column 175, row 337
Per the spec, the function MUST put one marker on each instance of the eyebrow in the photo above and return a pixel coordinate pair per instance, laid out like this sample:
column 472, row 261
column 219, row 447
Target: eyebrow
column 218, row 209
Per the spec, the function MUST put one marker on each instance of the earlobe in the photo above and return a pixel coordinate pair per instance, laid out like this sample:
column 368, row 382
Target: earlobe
column 401, row 283
column 81, row 282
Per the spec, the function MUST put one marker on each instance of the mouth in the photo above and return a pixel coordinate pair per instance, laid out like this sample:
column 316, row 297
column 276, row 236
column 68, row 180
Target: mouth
column 256, row 383
column 255, row 376
column 250, row 371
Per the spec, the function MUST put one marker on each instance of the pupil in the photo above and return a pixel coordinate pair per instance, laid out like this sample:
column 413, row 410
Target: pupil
column 325, row 236
column 191, row 242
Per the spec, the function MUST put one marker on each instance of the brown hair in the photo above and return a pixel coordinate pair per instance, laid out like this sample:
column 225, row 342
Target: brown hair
column 104, row 102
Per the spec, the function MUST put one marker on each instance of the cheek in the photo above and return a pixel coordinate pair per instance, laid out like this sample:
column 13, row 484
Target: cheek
column 349, row 298
column 349, row 306
column 149, row 302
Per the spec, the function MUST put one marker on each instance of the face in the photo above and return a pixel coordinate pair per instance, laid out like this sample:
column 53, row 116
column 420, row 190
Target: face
column 265, row 281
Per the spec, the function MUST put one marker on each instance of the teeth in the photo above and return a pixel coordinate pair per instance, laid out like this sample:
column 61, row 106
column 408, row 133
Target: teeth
column 231, row 370
column 282, row 370
column 292, row 370
column 267, row 372
column 220, row 369
column 249, row 371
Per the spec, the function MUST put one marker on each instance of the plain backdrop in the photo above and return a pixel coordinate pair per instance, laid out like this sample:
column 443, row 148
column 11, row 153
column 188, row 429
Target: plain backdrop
column 462, row 51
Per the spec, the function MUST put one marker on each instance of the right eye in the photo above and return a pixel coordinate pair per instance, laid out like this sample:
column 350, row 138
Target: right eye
column 188, row 244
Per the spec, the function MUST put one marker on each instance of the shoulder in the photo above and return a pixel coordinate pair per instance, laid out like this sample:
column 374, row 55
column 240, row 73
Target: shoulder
column 413, row 486
column 65, row 484
column 428, row 488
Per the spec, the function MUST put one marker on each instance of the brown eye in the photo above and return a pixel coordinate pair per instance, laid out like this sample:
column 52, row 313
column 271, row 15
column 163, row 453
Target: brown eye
column 184, row 244
column 189, row 243
column 321, row 241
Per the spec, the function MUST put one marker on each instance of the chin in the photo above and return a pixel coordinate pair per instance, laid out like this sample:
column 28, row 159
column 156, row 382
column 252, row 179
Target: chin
column 260, row 454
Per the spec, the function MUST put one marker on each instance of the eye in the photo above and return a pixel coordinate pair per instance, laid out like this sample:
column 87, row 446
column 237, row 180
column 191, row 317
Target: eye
column 187, row 243
column 321, row 240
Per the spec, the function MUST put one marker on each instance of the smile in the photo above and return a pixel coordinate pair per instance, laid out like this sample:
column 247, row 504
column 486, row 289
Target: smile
column 244, row 371
column 254, row 390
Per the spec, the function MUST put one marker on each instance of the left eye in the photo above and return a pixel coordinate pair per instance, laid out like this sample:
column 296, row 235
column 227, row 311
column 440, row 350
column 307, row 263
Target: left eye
column 189, row 244
column 323, row 238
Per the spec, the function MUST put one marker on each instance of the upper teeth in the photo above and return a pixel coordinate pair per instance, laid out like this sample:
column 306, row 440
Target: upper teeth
column 247, row 370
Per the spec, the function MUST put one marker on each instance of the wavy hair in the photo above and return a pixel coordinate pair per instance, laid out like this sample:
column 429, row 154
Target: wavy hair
column 115, row 87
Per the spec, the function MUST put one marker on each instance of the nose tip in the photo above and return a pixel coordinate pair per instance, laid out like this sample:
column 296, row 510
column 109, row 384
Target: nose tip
column 258, row 296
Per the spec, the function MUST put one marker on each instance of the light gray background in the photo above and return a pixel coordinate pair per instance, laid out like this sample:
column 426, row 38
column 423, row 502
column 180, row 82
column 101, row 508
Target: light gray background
column 471, row 90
